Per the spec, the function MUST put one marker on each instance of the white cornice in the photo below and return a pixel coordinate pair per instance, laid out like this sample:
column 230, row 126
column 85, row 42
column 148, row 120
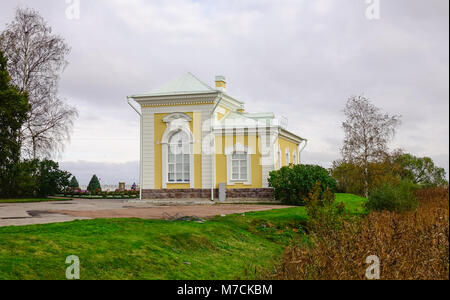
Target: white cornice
column 187, row 98
column 290, row 136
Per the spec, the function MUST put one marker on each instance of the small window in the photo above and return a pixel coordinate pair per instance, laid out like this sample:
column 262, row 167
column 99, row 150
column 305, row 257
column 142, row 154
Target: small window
column 239, row 169
column 179, row 158
column 288, row 159
column 295, row 159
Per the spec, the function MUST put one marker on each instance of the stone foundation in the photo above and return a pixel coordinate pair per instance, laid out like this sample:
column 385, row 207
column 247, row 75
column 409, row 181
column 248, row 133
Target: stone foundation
column 233, row 195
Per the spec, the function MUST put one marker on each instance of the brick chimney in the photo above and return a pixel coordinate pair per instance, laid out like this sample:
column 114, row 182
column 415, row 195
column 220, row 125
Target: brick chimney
column 221, row 83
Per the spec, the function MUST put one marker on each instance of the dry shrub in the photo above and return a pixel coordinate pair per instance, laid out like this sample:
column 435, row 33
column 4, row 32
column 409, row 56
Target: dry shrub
column 411, row 245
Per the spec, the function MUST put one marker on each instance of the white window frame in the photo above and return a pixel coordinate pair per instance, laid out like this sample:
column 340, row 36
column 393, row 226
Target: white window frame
column 279, row 161
column 287, row 157
column 294, row 158
column 239, row 148
column 175, row 163
column 240, row 164
column 176, row 122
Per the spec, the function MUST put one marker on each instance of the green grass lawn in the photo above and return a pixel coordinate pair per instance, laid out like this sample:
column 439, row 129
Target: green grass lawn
column 30, row 200
column 231, row 247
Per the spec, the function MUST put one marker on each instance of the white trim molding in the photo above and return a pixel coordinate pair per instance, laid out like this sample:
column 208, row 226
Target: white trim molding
column 177, row 122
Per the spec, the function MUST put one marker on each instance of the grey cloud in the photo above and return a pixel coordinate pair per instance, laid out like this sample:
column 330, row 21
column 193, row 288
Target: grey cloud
column 108, row 173
column 301, row 59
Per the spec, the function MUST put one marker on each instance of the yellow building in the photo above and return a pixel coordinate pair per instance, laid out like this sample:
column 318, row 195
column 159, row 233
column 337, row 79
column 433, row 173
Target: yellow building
column 195, row 139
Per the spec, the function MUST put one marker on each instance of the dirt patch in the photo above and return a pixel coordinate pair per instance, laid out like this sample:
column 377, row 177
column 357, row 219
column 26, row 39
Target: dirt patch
column 200, row 211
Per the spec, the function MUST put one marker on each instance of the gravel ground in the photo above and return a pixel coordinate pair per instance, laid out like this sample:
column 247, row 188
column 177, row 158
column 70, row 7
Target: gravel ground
column 16, row 214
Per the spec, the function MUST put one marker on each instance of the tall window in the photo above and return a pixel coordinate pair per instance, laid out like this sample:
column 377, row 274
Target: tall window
column 287, row 158
column 239, row 166
column 179, row 158
column 279, row 158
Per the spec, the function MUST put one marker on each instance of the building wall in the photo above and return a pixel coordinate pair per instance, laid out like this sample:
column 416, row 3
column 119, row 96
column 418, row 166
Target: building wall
column 223, row 142
column 292, row 148
column 159, row 129
column 148, row 148
column 152, row 130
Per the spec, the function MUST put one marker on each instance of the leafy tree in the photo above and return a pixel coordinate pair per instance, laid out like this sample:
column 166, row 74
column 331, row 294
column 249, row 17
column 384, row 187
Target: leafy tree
column 26, row 182
column 422, row 171
column 74, row 183
column 37, row 57
column 94, row 184
column 367, row 133
column 38, row 178
column 350, row 176
column 51, row 179
column 13, row 114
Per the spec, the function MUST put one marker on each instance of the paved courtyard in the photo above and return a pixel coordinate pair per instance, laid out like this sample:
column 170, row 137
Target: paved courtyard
column 17, row 214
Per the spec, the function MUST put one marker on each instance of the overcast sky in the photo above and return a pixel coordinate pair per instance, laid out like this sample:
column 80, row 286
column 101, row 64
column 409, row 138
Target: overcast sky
column 299, row 59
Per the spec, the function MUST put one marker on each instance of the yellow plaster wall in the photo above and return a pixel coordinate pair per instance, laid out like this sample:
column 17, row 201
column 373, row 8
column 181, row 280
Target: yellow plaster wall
column 160, row 127
column 286, row 144
column 223, row 142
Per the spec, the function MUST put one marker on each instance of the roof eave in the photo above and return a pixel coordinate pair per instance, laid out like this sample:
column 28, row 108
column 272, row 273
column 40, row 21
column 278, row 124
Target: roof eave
column 287, row 134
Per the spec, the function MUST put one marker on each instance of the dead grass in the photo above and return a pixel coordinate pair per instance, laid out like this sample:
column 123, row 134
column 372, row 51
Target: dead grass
column 412, row 245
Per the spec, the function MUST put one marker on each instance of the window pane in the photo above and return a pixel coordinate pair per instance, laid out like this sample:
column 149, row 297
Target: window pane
column 179, row 176
column 179, row 157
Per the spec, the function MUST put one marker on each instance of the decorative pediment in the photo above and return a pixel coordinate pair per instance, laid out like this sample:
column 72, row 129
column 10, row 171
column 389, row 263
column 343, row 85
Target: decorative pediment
column 177, row 116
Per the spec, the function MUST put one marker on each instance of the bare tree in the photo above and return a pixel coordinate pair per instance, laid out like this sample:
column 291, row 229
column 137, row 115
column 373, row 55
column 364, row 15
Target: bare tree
column 36, row 58
column 367, row 133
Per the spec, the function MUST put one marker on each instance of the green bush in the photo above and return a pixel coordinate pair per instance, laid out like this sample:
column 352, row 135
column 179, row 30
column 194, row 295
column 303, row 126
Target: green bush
column 324, row 214
column 293, row 184
column 94, row 185
column 391, row 197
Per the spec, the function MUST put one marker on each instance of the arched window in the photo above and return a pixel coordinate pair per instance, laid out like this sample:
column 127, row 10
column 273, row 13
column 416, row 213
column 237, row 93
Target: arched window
column 179, row 158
